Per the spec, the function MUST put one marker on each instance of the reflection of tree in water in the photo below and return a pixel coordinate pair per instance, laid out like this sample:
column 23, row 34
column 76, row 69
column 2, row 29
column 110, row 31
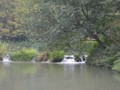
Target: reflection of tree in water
column 24, row 68
column 69, row 71
column 3, row 72
column 117, row 77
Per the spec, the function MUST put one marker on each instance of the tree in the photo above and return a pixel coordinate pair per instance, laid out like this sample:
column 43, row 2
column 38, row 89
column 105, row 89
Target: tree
column 72, row 20
column 6, row 15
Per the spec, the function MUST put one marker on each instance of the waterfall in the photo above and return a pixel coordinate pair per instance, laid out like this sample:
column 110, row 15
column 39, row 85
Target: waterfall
column 6, row 58
column 69, row 58
column 82, row 60
column 34, row 60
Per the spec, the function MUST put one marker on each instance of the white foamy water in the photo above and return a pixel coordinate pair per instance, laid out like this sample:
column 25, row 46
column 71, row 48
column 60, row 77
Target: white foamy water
column 6, row 58
column 70, row 59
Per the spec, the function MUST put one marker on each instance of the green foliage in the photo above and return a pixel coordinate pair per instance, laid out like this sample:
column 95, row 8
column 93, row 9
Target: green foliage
column 116, row 65
column 89, row 46
column 102, row 38
column 106, row 61
column 3, row 49
column 56, row 56
column 104, row 58
column 63, row 24
column 15, row 35
column 4, row 33
column 44, row 56
column 18, row 35
column 24, row 55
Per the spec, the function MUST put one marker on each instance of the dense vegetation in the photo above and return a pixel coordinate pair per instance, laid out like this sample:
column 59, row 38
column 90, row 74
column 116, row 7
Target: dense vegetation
column 23, row 55
column 84, row 26
column 56, row 56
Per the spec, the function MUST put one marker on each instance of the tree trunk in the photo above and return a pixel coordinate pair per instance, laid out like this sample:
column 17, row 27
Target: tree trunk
column 102, row 44
column 98, row 40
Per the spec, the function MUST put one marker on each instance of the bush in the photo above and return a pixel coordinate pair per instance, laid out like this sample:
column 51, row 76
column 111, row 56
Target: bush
column 104, row 59
column 24, row 55
column 89, row 46
column 116, row 65
column 44, row 56
column 57, row 56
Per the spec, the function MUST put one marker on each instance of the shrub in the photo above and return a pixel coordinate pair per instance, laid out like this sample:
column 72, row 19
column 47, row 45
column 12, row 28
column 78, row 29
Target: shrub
column 89, row 46
column 117, row 65
column 24, row 55
column 56, row 56
column 44, row 56
column 104, row 59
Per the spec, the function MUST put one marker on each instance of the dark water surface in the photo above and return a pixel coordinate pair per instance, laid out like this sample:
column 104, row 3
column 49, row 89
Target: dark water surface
column 38, row 76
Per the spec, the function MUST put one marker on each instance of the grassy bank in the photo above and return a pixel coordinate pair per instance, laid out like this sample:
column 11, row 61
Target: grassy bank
column 108, row 57
column 105, row 58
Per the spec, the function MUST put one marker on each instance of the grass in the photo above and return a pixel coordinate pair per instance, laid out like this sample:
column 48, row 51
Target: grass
column 24, row 55
column 56, row 56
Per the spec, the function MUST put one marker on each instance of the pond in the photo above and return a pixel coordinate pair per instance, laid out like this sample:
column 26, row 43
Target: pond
column 42, row 76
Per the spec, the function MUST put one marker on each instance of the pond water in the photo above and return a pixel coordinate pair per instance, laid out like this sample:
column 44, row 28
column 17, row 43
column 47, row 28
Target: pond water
column 42, row 76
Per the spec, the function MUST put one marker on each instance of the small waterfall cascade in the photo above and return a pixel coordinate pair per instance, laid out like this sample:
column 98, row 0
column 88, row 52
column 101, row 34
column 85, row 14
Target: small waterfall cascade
column 34, row 59
column 6, row 58
column 69, row 58
column 83, row 59
column 48, row 61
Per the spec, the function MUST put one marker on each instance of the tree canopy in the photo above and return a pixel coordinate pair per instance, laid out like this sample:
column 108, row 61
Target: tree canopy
column 62, row 23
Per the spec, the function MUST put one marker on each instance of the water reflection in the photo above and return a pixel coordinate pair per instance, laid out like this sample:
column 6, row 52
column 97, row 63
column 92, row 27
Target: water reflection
column 38, row 76
column 69, row 68
column 116, row 76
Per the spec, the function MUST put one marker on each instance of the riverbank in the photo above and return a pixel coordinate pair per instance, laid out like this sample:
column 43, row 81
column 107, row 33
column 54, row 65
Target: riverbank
column 105, row 58
column 97, row 56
